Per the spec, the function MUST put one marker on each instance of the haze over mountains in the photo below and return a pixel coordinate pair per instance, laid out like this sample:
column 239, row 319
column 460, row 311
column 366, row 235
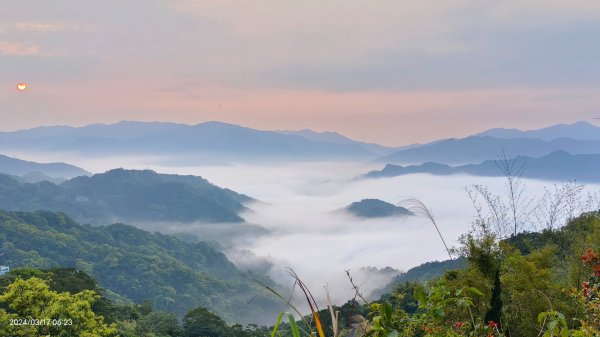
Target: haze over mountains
column 579, row 130
column 299, row 202
column 20, row 167
column 475, row 149
column 216, row 142
column 211, row 141
column 558, row 165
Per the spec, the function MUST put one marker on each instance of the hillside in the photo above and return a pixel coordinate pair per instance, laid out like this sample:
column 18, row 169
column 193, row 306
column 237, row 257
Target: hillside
column 138, row 265
column 422, row 273
column 20, row 167
column 558, row 165
column 375, row 208
column 126, row 196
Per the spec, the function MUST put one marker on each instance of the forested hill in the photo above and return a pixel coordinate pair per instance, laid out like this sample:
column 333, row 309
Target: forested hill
column 20, row 167
column 375, row 208
column 135, row 264
column 126, row 196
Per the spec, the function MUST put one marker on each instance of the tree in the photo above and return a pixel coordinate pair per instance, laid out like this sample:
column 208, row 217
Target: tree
column 160, row 324
column 519, row 204
column 504, row 215
column 200, row 322
column 56, row 314
column 495, row 312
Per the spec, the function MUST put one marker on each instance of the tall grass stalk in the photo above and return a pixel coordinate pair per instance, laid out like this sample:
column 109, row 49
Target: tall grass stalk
column 418, row 207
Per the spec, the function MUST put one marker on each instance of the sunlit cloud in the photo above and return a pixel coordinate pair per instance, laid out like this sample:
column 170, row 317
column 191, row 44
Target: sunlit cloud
column 50, row 27
column 18, row 49
column 40, row 27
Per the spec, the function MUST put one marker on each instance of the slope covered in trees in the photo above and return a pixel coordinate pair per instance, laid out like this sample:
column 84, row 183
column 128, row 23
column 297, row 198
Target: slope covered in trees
column 126, row 196
column 136, row 265
column 544, row 283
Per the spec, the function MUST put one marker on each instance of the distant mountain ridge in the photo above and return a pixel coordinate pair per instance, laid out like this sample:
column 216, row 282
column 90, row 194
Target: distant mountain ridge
column 14, row 166
column 336, row 138
column 127, row 196
column 217, row 142
column 210, row 141
column 579, row 130
column 558, row 165
column 475, row 149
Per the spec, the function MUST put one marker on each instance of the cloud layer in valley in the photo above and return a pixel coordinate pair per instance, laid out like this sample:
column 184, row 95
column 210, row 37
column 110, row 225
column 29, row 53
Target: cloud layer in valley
column 296, row 221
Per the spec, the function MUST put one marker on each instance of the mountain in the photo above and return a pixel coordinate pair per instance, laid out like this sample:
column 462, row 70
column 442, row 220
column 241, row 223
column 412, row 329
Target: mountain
column 20, row 167
column 137, row 265
column 336, row 138
column 558, row 165
column 422, row 274
column 37, row 177
column 476, row 149
column 579, row 130
column 375, row 208
column 205, row 142
column 127, row 196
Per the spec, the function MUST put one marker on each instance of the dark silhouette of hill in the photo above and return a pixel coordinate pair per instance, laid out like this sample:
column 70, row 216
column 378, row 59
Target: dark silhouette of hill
column 375, row 208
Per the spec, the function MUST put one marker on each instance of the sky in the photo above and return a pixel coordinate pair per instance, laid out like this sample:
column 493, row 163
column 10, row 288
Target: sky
column 388, row 71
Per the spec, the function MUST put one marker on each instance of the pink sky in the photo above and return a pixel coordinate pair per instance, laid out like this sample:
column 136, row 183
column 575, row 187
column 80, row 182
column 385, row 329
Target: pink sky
column 391, row 72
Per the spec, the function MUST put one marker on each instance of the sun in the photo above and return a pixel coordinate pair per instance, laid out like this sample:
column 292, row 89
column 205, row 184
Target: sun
column 22, row 86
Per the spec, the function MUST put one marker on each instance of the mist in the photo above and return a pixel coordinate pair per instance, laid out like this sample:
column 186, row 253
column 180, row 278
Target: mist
column 296, row 222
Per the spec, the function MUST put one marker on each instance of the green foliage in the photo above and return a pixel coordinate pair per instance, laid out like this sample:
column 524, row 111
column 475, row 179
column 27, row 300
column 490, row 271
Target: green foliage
column 532, row 284
column 295, row 331
column 56, row 314
column 126, row 196
column 135, row 265
column 201, row 322
column 159, row 324
column 425, row 272
column 495, row 312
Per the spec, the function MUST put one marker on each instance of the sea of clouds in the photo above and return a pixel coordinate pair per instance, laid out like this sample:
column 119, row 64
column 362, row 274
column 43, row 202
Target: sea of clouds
column 296, row 221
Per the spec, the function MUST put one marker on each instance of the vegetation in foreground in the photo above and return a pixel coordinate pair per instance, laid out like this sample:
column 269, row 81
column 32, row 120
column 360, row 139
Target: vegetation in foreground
column 134, row 265
column 534, row 284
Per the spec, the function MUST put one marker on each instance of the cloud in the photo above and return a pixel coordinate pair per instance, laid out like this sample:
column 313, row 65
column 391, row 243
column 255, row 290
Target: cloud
column 410, row 70
column 298, row 208
column 41, row 27
column 401, row 45
column 18, row 49
column 52, row 27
